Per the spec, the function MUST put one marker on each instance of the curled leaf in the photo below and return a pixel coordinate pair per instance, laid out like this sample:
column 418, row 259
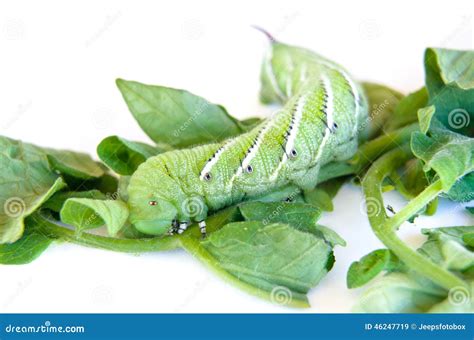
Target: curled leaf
column 85, row 213
column 124, row 156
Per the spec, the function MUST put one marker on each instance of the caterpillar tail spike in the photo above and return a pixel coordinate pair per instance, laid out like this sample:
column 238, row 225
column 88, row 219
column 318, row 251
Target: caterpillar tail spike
column 270, row 37
column 321, row 120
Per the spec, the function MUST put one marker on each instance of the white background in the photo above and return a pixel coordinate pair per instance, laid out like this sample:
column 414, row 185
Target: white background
column 58, row 63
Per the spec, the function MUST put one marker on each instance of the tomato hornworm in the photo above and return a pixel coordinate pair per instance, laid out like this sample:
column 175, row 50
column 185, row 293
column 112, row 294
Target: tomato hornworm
column 321, row 120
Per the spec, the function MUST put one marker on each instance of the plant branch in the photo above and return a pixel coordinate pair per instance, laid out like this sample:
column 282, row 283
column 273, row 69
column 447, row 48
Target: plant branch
column 415, row 205
column 55, row 231
column 384, row 227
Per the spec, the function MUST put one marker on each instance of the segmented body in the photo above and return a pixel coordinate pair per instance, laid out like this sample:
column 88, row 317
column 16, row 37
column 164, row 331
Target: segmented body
column 320, row 121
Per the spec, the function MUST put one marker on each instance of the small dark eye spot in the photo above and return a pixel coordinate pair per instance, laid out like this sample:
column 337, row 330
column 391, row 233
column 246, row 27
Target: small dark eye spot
column 152, row 203
column 335, row 125
column 293, row 153
column 249, row 169
column 207, row 176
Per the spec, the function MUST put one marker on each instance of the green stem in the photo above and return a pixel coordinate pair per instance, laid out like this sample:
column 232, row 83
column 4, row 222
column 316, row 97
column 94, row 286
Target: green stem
column 415, row 205
column 51, row 229
column 384, row 228
column 370, row 151
column 194, row 247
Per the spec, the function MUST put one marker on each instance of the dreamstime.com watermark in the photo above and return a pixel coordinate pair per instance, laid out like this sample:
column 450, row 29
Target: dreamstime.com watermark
column 281, row 295
column 370, row 206
column 14, row 207
column 274, row 213
column 47, row 327
column 459, row 296
column 193, row 206
column 199, row 111
column 458, row 119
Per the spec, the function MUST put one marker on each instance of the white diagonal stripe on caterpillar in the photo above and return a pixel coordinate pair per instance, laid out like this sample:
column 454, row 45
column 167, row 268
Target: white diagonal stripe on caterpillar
column 297, row 116
column 329, row 115
column 215, row 158
column 290, row 143
column 329, row 101
column 353, row 87
column 252, row 151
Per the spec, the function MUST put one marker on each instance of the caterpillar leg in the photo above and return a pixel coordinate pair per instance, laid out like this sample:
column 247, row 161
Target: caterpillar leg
column 182, row 227
column 178, row 228
column 202, row 228
column 174, row 227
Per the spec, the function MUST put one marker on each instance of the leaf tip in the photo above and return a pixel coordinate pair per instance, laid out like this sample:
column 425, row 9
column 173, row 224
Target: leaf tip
column 120, row 82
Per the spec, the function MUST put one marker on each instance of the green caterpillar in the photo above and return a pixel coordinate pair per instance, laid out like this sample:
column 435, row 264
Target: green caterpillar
column 321, row 119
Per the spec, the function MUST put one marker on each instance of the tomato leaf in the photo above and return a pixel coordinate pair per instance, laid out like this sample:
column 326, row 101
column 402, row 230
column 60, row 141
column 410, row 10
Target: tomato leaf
column 177, row 117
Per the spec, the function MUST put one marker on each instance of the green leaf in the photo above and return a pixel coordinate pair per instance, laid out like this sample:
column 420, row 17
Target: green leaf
column 424, row 116
column 406, row 110
column 75, row 164
column 446, row 247
column 330, row 236
column 445, row 66
column 450, row 83
column 55, row 203
column 459, row 300
column 470, row 209
column 26, row 181
column 368, row 267
column 449, row 154
column 177, row 117
column 410, row 180
column 468, row 239
column 382, row 103
column 108, row 184
column 123, row 187
column 124, row 156
column 462, row 190
column 319, row 198
column 410, row 293
column 399, row 293
column 453, row 232
column 299, row 215
column 265, row 257
column 323, row 194
column 85, row 213
column 249, row 123
column 26, row 249
column 333, row 186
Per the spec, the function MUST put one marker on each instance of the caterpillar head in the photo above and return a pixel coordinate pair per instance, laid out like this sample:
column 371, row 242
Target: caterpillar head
column 152, row 198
